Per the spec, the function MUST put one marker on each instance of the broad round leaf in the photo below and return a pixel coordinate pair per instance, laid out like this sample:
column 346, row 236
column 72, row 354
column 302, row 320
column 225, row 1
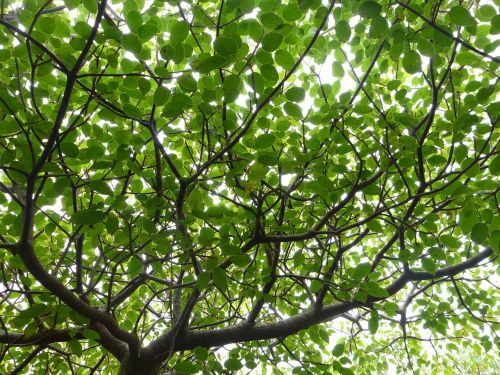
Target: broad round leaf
column 295, row 94
column 461, row 16
column 264, row 141
column 369, row 9
column 343, row 31
column 179, row 32
column 284, row 59
column 272, row 41
column 412, row 62
column 88, row 216
column 132, row 43
column 225, row 45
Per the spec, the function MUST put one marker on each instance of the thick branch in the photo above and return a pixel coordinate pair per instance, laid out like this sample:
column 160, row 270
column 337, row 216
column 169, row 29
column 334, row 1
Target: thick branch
column 40, row 338
column 31, row 261
column 286, row 327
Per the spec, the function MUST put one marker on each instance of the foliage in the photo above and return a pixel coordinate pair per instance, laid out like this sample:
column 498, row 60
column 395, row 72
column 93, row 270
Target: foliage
column 198, row 185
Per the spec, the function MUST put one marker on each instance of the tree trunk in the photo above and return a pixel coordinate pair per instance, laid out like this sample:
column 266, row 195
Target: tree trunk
column 130, row 366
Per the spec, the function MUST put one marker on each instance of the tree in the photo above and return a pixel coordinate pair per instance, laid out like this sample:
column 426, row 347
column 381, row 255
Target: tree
column 207, row 185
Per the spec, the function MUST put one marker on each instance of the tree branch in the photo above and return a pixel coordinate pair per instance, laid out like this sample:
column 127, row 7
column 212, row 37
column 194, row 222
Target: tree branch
column 248, row 332
column 40, row 338
column 448, row 34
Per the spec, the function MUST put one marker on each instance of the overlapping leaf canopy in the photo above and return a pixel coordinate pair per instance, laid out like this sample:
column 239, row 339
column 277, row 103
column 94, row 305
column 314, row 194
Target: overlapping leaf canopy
column 177, row 177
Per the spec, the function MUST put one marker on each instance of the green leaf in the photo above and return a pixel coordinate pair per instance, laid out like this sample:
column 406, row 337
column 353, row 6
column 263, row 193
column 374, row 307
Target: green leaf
column 134, row 266
column 495, row 25
column 412, row 62
column 293, row 110
column 362, row 270
column 90, row 5
column 88, row 217
column 378, row 27
column 241, row 260
column 200, row 353
column 295, row 94
column 75, row 347
column 83, row 29
column 219, row 277
column 338, row 350
column 468, row 218
column 461, row 16
column 269, row 72
column 132, row 43
column 486, row 12
column 229, row 249
column 203, row 280
column 450, row 241
column 187, row 83
column 264, row 141
column 375, row 226
column 233, row 364
column 215, row 211
column 373, row 323
column 231, row 87
column 69, row 149
column 284, row 59
column 479, row 233
column 134, row 20
column 72, row 4
column 375, row 290
column 47, row 25
column 245, row 5
column 426, row 48
column 343, row 31
column 255, row 30
column 495, row 240
column 372, row 189
column 112, row 224
column 337, row 69
column 176, row 105
column 32, row 312
column 272, row 41
column 101, row 187
column 186, row 367
column 207, row 64
column 148, row 30
column 437, row 253
column 206, row 237
column 429, row 265
column 461, row 153
column 161, row 96
column 179, row 32
column 225, row 46
column 91, row 334
column 494, row 167
column 369, row 9
column 436, row 160
column 292, row 12
column 271, row 20
column 267, row 158
column 467, row 58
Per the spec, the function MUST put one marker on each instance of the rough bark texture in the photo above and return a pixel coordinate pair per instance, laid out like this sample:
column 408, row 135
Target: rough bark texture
column 133, row 366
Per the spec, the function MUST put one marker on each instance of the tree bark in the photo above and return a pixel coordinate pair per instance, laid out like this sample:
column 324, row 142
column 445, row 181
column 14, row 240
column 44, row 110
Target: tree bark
column 134, row 366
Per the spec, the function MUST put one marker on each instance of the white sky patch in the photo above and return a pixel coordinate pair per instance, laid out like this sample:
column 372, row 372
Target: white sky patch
column 286, row 179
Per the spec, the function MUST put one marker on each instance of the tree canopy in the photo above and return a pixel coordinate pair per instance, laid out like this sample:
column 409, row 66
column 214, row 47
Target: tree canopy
column 230, row 186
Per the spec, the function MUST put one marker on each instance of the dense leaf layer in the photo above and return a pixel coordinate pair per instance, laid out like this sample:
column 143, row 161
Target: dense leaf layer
column 177, row 177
